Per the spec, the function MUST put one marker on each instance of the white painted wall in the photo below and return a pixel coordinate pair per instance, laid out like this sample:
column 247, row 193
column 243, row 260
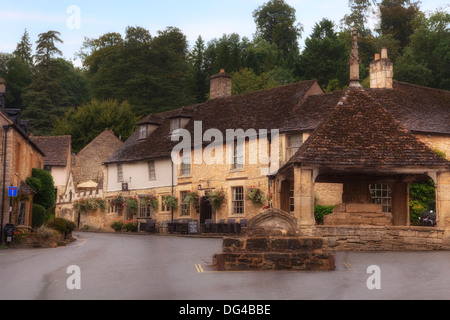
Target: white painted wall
column 138, row 172
column 60, row 175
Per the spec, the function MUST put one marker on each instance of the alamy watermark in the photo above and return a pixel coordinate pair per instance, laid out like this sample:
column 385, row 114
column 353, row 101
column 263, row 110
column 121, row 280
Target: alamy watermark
column 374, row 281
column 74, row 20
column 74, row 280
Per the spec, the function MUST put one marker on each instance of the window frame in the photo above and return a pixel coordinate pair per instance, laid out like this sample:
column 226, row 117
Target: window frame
column 292, row 148
column 237, row 201
column 151, row 166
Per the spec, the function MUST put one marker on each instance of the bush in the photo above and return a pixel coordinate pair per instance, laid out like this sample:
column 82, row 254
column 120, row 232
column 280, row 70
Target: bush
column 39, row 216
column 61, row 225
column 45, row 232
column 117, row 226
column 130, row 226
column 42, row 182
column 321, row 211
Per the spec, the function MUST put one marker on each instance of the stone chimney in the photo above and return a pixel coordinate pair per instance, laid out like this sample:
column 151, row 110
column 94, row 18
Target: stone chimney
column 381, row 71
column 220, row 85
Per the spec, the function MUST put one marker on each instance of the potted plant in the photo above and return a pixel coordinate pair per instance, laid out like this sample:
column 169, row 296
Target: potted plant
column 256, row 195
column 216, row 198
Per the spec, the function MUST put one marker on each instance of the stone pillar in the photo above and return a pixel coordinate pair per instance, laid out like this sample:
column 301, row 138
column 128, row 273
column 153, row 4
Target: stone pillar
column 443, row 202
column 304, row 196
column 400, row 204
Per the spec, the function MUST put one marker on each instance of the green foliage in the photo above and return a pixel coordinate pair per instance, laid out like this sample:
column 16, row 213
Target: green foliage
column 216, row 198
column 276, row 23
column 171, row 202
column 321, row 211
column 245, row 81
column 422, row 197
column 39, row 216
column 42, row 182
column 89, row 204
column 130, row 226
column 192, row 198
column 256, row 195
column 61, row 225
column 325, row 56
column 85, row 123
column 117, row 226
column 132, row 205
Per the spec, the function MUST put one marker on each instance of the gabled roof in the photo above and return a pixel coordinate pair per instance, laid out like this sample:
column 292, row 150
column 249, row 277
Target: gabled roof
column 56, row 149
column 360, row 132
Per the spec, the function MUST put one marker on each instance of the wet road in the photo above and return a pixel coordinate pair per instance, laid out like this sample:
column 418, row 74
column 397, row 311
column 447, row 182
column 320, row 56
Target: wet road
column 141, row 267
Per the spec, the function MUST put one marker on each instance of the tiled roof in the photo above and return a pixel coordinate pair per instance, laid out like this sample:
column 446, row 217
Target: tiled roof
column 264, row 109
column 360, row 132
column 55, row 148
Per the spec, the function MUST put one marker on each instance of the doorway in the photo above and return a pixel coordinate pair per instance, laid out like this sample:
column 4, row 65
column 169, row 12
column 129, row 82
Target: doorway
column 205, row 210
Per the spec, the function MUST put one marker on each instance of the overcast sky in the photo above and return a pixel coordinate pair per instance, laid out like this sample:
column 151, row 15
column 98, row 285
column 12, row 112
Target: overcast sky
column 208, row 18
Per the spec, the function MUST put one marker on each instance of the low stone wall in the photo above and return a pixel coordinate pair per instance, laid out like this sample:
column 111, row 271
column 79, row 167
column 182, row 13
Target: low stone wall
column 273, row 253
column 379, row 238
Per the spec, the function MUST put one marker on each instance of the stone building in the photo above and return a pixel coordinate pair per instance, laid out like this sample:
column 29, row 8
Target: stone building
column 358, row 149
column 19, row 156
column 86, row 180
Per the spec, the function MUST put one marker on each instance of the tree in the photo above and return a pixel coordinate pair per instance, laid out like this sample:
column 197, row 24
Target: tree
column 85, row 123
column 24, row 49
column 199, row 75
column 358, row 18
column 245, row 81
column 399, row 19
column 46, row 46
column 426, row 60
column 325, row 56
column 55, row 87
column 276, row 23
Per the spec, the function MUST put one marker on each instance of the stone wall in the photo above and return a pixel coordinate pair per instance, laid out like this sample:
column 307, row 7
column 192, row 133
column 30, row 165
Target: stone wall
column 273, row 253
column 378, row 238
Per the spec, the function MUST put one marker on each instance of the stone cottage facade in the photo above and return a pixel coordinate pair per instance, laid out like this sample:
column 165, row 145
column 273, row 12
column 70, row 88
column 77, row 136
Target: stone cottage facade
column 19, row 156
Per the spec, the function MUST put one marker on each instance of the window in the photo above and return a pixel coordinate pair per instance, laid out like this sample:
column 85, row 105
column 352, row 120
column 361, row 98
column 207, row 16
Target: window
column 163, row 207
column 22, row 209
column 238, row 200
column 185, row 207
column 119, row 173
column 291, row 199
column 381, row 194
column 174, row 124
column 238, row 156
column 185, row 169
column 142, row 132
column 293, row 143
column 144, row 209
column 151, row 170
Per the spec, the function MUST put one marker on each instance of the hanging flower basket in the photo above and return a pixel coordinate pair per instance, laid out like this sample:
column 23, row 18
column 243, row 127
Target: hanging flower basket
column 171, row 202
column 132, row 205
column 151, row 200
column 256, row 195
column 118, row 201
column 192, row 198
column 90, row 204
column 216, row 198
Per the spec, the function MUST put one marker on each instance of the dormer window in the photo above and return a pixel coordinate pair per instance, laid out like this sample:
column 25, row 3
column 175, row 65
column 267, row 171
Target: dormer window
column 143, row 132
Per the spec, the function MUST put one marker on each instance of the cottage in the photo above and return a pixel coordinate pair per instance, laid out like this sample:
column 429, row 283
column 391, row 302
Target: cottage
column 85, row 180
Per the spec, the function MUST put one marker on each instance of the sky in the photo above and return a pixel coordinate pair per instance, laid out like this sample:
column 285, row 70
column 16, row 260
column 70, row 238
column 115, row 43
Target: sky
column 77, row 19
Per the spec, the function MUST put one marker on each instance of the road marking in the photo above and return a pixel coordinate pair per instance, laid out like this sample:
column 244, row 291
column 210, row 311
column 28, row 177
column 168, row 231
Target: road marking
column 199, row 268
column 349, row 267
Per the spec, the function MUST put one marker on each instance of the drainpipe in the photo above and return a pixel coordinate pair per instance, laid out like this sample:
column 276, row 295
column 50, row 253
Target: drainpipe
column 171, row 209
column 6, row 128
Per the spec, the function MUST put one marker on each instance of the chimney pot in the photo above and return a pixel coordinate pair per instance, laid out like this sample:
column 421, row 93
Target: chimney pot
column 377, row 56
column 384, row 53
